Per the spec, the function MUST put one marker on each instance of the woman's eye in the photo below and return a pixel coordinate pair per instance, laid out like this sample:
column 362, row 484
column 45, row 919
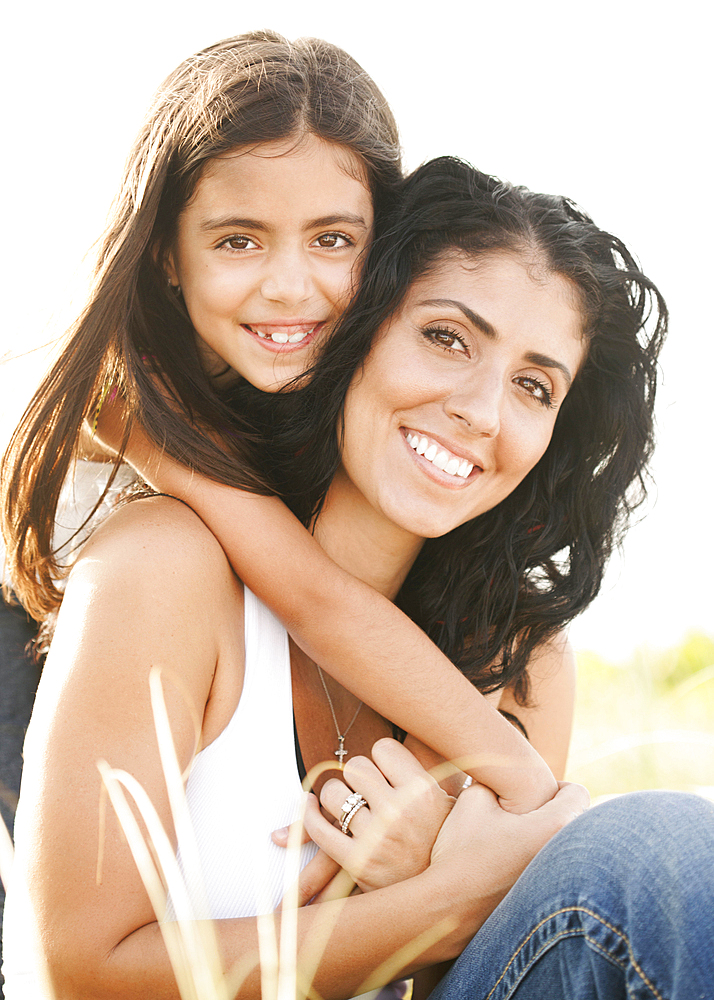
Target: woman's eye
column 333, row 241
column 537, row 389
column 238, row 243
column 447, row 339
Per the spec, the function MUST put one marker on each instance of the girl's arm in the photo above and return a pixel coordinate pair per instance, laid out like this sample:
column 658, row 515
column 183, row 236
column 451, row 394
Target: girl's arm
column 354, row 633
column 137, row 598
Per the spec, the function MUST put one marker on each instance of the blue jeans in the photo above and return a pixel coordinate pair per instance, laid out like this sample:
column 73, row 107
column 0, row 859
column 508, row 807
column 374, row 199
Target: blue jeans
column 620, row 904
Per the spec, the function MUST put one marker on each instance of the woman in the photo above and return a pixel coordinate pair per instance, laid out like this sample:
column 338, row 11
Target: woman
column 511, row 314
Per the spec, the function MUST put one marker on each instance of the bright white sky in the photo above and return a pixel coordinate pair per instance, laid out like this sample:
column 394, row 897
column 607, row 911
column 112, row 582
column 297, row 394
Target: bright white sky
column 609, row 103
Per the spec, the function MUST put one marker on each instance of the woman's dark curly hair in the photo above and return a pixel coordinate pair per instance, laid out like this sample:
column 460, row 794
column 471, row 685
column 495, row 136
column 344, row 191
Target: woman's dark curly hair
column 493, row 589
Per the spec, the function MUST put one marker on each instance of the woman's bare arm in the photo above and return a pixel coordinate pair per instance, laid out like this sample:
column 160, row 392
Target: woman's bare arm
column 389, row 663
column 137, row 598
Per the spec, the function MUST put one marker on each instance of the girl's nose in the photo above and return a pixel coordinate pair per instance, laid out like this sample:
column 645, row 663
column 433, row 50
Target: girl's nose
column 478, row 404
column 287, row 280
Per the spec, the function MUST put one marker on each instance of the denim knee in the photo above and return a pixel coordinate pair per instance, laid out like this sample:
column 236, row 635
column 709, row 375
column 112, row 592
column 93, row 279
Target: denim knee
column 619, row 903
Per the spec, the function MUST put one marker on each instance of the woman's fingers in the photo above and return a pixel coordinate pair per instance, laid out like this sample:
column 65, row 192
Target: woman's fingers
column 567, row 804
column 337, row 798
column 483, row 843
column 316, row 876
column 280, row 836
column 325, row 835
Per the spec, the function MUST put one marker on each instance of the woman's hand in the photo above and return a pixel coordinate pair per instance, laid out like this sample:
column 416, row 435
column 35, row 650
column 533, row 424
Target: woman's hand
column 393, row 835
column 483, row 846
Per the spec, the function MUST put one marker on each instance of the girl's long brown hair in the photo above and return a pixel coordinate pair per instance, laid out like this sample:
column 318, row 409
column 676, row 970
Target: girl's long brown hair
column 135, row 334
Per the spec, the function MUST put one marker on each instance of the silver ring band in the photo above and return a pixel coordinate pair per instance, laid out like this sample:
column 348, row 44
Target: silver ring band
column 352, row 799
column 350, row 807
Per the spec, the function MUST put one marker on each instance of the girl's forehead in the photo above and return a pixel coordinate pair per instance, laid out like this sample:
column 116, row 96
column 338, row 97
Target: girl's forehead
column 297, row 153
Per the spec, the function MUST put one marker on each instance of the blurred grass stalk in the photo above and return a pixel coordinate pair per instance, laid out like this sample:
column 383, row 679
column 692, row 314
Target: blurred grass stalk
column 648, row 723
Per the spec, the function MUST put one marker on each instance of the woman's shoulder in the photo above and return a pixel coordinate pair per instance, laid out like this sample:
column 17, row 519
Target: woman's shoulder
column 154, row 535
column 150, row 587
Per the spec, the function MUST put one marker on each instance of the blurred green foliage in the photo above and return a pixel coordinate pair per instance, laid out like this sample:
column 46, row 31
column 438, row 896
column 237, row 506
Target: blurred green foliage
column 648, row 722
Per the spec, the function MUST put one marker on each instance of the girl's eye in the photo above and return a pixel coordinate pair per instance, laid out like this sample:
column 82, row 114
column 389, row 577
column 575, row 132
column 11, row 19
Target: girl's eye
column 238, row 243
column 537, row 389
column 446, row 339
column 333, row 241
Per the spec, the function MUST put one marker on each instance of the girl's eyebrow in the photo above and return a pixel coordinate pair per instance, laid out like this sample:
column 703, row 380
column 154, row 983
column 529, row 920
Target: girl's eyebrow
column 233, row 222
column 533, row 357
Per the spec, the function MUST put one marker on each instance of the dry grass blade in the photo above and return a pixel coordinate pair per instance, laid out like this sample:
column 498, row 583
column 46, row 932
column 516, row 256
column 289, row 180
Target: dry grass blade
column 392, row 968
column 190, row 944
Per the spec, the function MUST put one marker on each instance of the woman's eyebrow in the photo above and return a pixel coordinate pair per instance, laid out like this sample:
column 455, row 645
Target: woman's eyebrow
column 474, row 318
column 547, row 362
column 533, row 357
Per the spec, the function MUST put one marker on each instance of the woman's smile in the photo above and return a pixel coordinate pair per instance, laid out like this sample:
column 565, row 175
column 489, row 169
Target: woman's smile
column 455, row 468
column 458, row 398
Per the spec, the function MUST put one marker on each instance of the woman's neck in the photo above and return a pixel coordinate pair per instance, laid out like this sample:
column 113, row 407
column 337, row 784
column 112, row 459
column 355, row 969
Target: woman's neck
column 362, row 541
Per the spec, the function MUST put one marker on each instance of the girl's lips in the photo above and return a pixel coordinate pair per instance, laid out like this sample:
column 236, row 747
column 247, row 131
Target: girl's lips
column 441, row 463
column 284, row 337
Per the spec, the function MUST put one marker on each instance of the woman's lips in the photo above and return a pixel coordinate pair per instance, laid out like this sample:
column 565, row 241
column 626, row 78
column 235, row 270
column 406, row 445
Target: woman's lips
column 284, row 336
column 457, row 467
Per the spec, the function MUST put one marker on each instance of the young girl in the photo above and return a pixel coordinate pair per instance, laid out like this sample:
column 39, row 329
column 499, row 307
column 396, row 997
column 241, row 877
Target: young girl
column 262, row 173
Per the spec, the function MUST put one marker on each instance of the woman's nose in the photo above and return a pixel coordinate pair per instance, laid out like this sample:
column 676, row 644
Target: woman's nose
column 287, row 279
column 478, row 404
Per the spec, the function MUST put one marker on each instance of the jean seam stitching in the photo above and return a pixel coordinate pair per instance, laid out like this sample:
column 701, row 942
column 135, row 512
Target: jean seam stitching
column 596, row 916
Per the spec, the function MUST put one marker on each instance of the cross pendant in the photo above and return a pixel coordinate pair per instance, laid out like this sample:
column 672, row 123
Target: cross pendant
column 341, row 752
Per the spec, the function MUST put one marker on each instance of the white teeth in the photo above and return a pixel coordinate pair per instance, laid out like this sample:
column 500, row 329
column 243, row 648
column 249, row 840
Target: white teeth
column 450, row 464
column 281, row 337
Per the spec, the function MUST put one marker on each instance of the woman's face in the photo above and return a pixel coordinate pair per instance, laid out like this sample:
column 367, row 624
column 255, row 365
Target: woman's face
column 459, row 395
column 266, row 254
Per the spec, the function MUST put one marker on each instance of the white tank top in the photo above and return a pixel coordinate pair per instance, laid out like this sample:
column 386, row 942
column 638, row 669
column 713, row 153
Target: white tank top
column 246, row 784
column 241, row 787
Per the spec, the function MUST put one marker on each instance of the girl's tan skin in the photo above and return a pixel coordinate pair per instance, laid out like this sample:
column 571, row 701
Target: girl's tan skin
column 102, row 940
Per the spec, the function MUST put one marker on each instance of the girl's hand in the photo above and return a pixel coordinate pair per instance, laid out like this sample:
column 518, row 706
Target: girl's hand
column 391, row 838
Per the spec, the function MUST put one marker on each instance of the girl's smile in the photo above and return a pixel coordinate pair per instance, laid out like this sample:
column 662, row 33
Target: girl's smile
column 266, row 253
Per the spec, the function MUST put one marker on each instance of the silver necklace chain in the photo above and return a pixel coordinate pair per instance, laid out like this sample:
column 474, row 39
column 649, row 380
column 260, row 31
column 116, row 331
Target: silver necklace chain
column 340, row 752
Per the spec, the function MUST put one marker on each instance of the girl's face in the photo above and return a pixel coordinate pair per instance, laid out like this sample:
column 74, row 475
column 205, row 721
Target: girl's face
column 459, row 395
column 266, row 254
